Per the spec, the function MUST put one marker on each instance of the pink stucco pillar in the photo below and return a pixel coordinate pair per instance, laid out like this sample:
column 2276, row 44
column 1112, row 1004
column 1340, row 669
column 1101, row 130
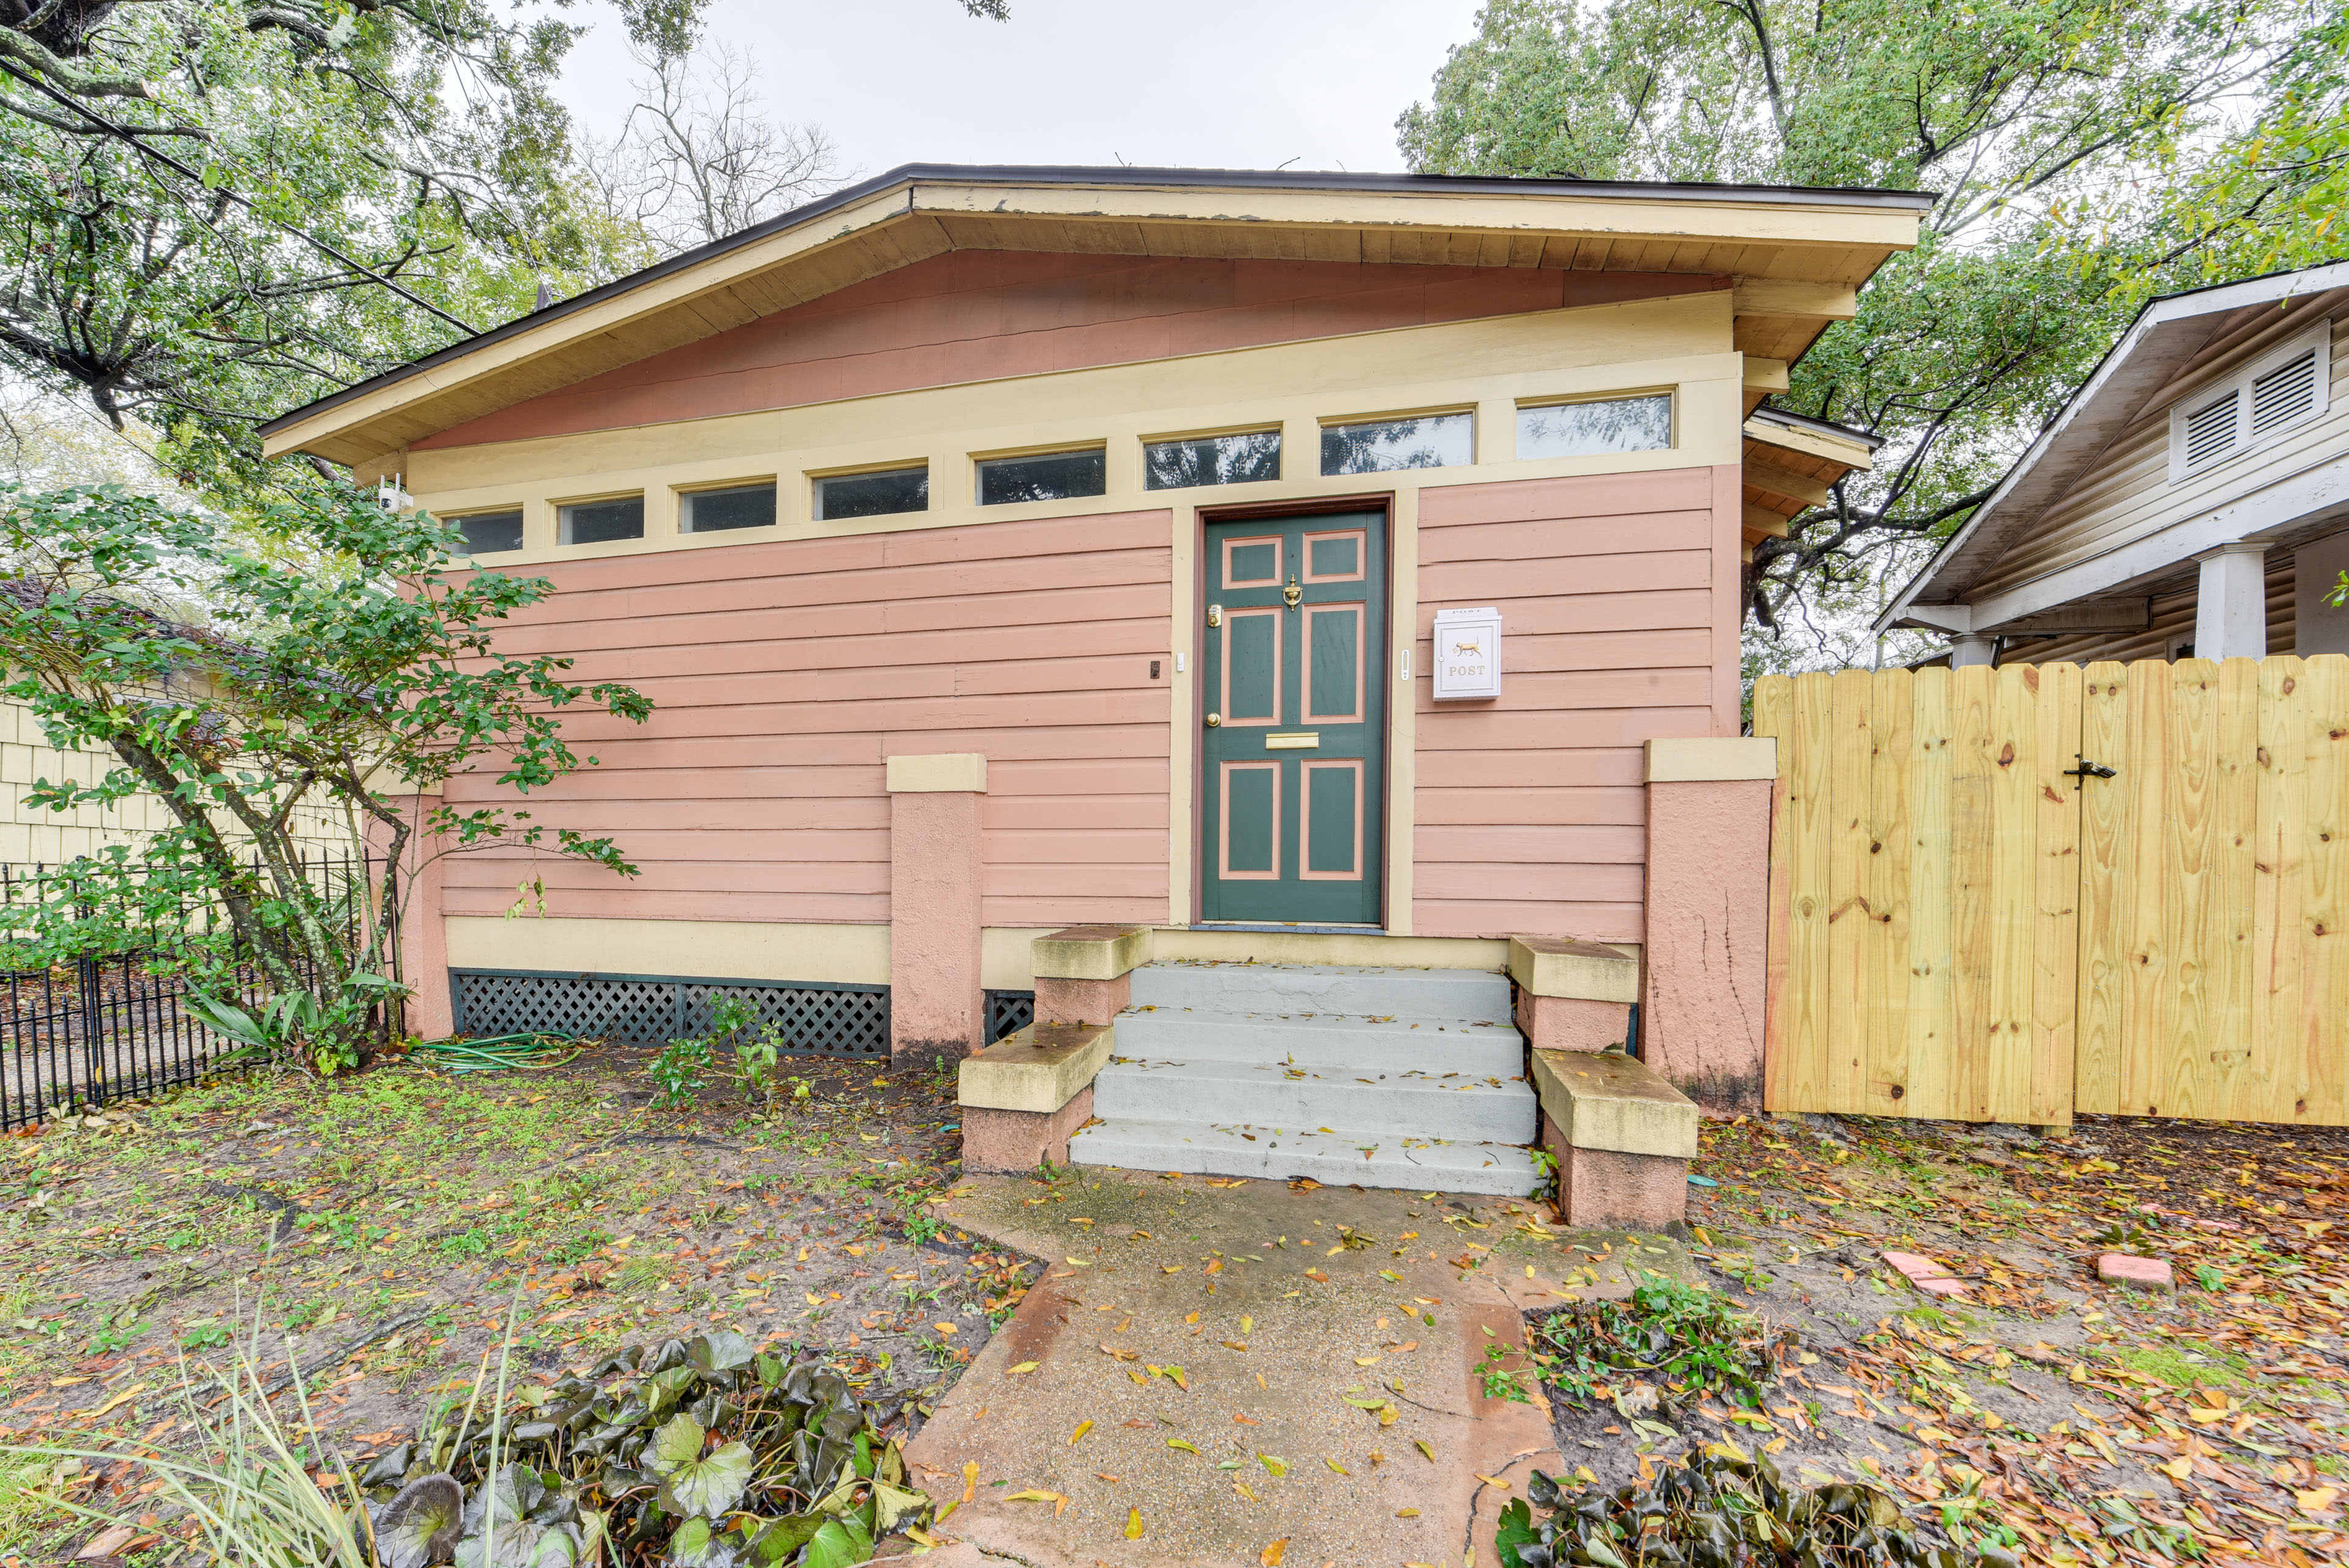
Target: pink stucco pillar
column 936, row 1002
column 1700, row 1017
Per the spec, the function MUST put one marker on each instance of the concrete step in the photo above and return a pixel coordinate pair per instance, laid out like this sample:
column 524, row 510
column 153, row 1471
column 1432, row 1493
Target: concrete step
column 1459, row 995
column 1489, row 1109
column 1365, row 1046
column 1367, row 1160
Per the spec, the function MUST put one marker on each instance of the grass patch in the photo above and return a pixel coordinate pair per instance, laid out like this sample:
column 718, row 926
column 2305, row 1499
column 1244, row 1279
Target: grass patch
column 2176, row 1369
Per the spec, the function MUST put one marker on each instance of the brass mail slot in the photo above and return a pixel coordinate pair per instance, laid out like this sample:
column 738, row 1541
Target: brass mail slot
column 1294, row 741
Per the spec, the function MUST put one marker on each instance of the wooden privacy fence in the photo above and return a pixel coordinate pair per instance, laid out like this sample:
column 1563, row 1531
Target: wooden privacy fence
column 1969, row 920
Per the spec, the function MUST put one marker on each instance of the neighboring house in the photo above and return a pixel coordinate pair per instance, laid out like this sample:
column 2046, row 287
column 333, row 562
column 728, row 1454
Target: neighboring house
column 1012, row 549
column 36, row 836
column 2192, row 499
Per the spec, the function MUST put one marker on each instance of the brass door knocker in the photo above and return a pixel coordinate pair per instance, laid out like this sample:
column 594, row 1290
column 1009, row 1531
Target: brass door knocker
column 1292, row 593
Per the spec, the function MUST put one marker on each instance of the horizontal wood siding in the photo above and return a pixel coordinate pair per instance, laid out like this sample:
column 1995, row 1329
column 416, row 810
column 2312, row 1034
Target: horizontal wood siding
column 784, row 673
column 1530, row 812
column 974, row 316
column 2126, row 494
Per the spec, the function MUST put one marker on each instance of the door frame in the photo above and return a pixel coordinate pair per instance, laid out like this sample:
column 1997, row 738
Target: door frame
column 1383, row 503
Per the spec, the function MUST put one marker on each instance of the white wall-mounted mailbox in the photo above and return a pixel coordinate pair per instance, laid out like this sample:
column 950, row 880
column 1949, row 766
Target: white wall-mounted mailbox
column 1467, row 655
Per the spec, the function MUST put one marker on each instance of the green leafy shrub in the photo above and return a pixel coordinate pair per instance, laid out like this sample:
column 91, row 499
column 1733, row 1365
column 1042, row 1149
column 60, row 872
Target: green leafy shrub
column 1718, row 1509
column 678, row 1071
column 1689, row 1341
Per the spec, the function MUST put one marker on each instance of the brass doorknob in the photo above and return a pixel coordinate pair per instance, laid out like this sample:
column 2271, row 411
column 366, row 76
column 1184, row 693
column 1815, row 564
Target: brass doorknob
column 1215, row 721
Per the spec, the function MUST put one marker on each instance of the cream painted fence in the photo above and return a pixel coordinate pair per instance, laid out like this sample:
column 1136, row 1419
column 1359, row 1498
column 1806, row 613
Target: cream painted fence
column 1966, row 925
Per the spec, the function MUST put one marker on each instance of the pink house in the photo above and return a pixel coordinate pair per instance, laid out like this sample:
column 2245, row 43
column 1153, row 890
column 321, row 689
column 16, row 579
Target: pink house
column 1189, row 600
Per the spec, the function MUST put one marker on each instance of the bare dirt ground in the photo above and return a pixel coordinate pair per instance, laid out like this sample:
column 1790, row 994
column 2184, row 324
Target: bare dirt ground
column 380, row 1226
column 2074, row 1419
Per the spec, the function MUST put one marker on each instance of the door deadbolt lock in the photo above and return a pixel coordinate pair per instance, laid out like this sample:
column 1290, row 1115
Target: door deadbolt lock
column 1214, row 614
column 1215, row 721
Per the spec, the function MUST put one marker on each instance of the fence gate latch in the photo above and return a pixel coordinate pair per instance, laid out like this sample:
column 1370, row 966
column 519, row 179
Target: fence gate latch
column 2087, row 770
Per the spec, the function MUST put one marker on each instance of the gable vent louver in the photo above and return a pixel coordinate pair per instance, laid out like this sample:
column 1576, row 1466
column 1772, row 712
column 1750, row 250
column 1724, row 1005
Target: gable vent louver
column 2283, row 395
column 2211, row 430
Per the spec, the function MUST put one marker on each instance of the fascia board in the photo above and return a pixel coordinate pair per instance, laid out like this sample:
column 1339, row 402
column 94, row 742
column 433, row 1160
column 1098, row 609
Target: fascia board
column 2158, row 340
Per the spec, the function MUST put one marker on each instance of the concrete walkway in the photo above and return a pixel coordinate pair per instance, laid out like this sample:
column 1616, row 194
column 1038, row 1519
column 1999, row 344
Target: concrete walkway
column 1214, row 1355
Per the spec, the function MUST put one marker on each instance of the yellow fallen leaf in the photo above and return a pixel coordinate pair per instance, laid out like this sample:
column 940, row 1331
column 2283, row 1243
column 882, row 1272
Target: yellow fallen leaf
column 1406, row 1514
column 971, row 1481
column 1134, row 1524
column 1179, row 1443
column 1241, row 1487
column 1425, row 1449
column 2318, row 1500
column 1035, row 1495
column 2179, row 1468
column 1170, row 1268
column 1023, row 1366
column 944, row 1328
column 1271, row 1555
column 1336, row 1466
column 124, row 1398
column 1318, row 1276
column 1278, row 1467
column 1366, row 1361
column 1082, row 1428
column 1234, row 1345
column 1491, row 1480
column 1079, row 1263
column 813, row 1299
column 1247, row 1326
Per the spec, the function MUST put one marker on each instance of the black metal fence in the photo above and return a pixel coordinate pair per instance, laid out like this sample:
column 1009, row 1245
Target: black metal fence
column 109, row 1028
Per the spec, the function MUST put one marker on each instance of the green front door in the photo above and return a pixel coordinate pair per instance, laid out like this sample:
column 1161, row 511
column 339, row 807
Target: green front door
column 1294, row 783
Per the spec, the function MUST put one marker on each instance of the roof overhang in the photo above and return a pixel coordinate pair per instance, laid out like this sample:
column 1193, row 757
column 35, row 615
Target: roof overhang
column 1797, row 257
column 2140, row 368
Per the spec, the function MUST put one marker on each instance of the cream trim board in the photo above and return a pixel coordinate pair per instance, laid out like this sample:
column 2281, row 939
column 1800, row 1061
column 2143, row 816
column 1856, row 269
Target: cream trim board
column 1711, row 759
column 1174, row 944
column 1006, row 956
column 1403, row 707
column 939, row 773
column 728, row 949
column 1184, row 636
column 1488, row 364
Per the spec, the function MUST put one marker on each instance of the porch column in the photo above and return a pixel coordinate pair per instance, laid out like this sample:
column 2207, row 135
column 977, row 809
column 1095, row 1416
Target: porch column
column 1972, row 648
column 936, row 1002
column 2230, row 604
column 1708, row 917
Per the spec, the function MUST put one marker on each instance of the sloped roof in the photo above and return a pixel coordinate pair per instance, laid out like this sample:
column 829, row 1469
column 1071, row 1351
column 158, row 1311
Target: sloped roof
column 1797, row 255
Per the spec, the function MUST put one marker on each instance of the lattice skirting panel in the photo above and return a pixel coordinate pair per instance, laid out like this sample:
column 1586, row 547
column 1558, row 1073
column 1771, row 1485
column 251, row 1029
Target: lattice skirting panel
column 650, row 1010
column 1008, row 1012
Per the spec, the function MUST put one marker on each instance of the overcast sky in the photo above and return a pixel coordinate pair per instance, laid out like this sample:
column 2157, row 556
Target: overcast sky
column 1234, row 84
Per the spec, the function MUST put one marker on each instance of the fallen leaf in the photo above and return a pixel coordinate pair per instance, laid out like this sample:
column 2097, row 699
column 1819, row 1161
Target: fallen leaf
column 2318, row 1500
column 1179, row 1443
column 971, row 1481
column 1491, row 1480
column 1278, row 1467
column 1134, row 1524
column 1023, row 1366
column 1115, row 1354
column 1406, row 1514
column 1336, row 1466
column 106, row 1542
column 1271, row 1555
column 1032, row 1495
column 1425, row 1448
column 944, row 1328
column 1316, row 1275
column 1082, row 1428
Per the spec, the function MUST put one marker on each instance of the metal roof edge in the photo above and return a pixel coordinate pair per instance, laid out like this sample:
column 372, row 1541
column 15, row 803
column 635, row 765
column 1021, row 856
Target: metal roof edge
column 911, row 174
column 2161, row 310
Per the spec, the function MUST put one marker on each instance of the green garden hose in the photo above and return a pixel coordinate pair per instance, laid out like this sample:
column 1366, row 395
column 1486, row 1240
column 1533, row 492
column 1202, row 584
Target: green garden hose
column 498, row 1053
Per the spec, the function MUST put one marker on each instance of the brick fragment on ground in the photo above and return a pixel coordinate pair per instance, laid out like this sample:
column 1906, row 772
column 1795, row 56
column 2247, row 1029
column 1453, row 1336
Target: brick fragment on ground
column 2123, row 1269
column 1925, row 1274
